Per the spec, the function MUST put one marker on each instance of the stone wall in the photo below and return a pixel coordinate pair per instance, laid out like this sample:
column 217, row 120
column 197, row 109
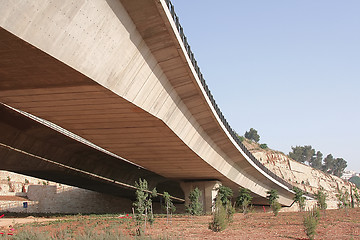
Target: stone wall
column 48, row 197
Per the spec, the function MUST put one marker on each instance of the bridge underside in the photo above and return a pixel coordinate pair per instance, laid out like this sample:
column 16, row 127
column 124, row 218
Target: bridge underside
column 114, row 73
column 40, row 143
column 35, row 82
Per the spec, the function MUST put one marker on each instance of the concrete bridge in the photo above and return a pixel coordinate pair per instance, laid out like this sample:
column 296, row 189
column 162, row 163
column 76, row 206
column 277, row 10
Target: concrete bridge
column 121, row 74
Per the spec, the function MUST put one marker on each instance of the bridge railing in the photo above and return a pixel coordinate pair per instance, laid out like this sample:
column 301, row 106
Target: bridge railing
column 217, row 109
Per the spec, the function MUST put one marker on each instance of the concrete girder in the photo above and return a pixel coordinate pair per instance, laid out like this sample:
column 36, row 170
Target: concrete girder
column 98, row 67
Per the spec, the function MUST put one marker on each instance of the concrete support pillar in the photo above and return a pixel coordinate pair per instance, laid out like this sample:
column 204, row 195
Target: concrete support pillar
column 208, row 190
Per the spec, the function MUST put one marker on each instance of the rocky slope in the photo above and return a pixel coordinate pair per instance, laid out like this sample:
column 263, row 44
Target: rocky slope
column 300, row 175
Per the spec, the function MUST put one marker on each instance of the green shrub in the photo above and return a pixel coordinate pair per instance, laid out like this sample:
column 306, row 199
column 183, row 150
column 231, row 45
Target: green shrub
column 225, row 194
column 275, row 207
column 299, row 198
column 321, row 199
column 195, row 206
column 311, row 221
column 219, row 220
column 273, row 201
column 343, row 198
column 169, row 205
column 355, row 180
column 357, row 197
column 143, row 205
column 272, row 196
column 244, row 199
column 264, row 146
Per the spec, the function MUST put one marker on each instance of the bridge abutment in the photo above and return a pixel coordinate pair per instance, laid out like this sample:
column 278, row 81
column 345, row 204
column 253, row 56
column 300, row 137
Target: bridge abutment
column 208, row 192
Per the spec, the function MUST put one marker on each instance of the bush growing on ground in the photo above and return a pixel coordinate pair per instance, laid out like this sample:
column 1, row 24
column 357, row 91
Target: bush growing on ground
column 143, row 205
column 252, row 134
column 321, row 199
column 169, row 205
column 275, row 207
column 311, row 221
column 299, row 198
column 219, row 220
column 272, row 196
column 263, row 146
column 355, row 180
column 343, row 198
column 273, row 201
column 225, row 194
column 195, row 206
column 357, row 197
column 244, row 199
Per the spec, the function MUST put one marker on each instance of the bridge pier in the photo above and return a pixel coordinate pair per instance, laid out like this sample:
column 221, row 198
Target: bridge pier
column 208, row 192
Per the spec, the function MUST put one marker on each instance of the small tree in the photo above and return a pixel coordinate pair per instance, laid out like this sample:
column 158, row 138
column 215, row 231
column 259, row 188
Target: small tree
column 299, row 198
column 263, row 146
column 225, row 194
column 355, row 180
column 321, row 199
column 143, row 205
column 343, row 198
column 311, row 221
column 219, row 220
column 244, row 199
column 272, row 196
column 302, row 154
column 275, row 207
column 241, row 138
column 195, row 206
column 169, row 206
column 273, row 200
column 252, row 134
column 357, row 197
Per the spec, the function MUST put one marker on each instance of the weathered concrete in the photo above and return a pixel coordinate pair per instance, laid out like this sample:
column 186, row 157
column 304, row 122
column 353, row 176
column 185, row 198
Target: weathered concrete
column 23, row 133
column 115, row 73
column 208, row 190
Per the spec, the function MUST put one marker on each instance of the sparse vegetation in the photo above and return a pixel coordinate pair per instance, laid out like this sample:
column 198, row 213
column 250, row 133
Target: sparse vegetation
column 219, row 219
column 263, row 146
column 273, row 201
column 244, row 199
column 311, row 221
column 195, row 206
column 343, row 198
column 252, row 134
column 276, row 207
column 306, row 154
column 321, row 199
column 241, row 138
column 257, row 225
column 143, row 206
column 357, row 197
column 299, row 198
column 169, row 205
column 355, row 180
column 225, row 194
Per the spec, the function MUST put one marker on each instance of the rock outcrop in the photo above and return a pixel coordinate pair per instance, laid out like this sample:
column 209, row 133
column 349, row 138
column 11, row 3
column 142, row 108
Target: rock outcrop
column 300, row 175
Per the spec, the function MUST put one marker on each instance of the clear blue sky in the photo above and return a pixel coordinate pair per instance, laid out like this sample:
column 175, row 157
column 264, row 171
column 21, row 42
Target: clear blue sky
column 289, row 69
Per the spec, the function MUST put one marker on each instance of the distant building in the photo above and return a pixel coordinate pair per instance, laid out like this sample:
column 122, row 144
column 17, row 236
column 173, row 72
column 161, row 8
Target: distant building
column 348, row 174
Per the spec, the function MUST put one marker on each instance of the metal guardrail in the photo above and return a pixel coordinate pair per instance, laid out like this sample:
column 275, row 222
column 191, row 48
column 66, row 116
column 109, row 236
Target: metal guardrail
column 217, row 109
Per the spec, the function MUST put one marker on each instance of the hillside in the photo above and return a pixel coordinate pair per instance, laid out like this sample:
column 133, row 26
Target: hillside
column 300, row 175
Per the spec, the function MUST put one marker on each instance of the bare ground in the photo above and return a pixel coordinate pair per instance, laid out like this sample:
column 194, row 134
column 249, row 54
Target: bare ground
column 333, row 224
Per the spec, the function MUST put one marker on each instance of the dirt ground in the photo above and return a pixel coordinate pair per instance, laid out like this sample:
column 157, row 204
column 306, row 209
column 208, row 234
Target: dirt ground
column 333, row 224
